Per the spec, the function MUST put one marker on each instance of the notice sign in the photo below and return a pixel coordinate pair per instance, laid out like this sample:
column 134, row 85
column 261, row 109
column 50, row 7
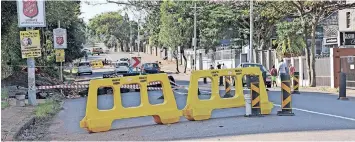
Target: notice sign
column 60, row 38
column 30, row 44
column 31, row 13
column 59, row 55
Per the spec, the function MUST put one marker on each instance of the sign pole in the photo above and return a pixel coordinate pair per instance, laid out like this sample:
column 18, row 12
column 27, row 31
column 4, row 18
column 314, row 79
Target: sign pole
column 31, row 80
column 61, row 67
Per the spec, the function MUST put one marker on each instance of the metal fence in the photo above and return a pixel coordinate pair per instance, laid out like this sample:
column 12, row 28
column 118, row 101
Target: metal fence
column 322, row 69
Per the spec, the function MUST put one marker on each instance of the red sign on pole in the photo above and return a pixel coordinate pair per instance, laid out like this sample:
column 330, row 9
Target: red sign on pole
column 136, row 62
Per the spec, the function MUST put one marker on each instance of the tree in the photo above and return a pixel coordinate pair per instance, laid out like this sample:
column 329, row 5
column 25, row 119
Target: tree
column 310, row 13
column 65, row 11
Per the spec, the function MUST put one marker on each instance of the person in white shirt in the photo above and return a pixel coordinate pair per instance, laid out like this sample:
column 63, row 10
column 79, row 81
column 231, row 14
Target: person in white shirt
column 224, row 66
column 282, row 69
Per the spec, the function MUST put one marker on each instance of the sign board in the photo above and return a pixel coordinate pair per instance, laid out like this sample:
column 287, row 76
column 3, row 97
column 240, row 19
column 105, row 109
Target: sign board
column 31, row 13
column 30, row 43
column 329, row 41
column 59, row 55
column 135, row 62
column 347, row 38
column 60, row 38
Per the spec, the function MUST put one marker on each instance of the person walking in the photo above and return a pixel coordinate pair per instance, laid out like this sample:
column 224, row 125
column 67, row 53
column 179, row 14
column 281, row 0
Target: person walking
column 219, row 66
column 282, row 69
column 273, row 73
column 291, row 72
column 224, row 66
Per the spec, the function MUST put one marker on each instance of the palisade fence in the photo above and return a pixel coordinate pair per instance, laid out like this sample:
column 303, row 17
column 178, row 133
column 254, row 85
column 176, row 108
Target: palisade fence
column 322, row 69
column 231, row 58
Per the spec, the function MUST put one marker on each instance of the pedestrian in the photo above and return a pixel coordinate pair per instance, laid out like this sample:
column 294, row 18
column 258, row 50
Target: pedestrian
column 273, row 73
column 282, row 69
column 291, row 72
column 220, row 78
column 224, row 66
column 211, row 67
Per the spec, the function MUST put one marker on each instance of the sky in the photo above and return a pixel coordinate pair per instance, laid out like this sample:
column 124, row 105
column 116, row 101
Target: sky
column 90, row 11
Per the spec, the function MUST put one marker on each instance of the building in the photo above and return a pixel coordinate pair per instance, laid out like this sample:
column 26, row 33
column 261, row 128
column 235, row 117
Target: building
column 346, row 27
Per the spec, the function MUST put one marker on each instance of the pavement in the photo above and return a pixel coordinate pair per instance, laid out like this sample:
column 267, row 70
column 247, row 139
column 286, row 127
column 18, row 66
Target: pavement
column 318, row 116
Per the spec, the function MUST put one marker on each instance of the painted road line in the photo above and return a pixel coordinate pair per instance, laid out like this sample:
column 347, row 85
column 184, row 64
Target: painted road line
column 320, row 113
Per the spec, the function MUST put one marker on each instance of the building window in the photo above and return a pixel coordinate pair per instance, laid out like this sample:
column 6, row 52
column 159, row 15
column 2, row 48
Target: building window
column 347, row 19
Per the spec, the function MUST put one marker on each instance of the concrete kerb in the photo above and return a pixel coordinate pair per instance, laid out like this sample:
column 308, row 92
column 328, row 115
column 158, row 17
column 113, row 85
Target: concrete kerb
column 28, row 122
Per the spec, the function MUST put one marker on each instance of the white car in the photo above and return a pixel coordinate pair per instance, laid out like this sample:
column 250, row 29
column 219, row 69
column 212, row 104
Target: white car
column 121, row 67
column 84, row 67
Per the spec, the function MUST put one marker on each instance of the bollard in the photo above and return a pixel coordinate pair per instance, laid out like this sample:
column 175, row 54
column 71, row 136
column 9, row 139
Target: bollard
column 247, row 105
column 228, row 87
column 295, row 83
column 255, row 99
column 286, row 108
column 342, row 86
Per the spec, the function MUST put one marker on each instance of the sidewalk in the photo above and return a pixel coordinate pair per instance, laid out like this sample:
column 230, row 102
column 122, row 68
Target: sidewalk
column 13, row 119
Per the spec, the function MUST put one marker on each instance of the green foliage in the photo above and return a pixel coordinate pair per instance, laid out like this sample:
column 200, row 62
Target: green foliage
column 67, row 12
column 49, row 108
column 4, row 98
column 290, row 39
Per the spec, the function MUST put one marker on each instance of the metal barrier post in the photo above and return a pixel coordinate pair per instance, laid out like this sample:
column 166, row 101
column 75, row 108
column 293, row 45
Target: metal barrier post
column 255, row 98
column 286, row 108
column 228, row 87
column 295, row 83
column 342, row 87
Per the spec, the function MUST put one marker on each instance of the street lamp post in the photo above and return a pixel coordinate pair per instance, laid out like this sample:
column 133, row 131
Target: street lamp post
column 194, row 40
column 251, row 32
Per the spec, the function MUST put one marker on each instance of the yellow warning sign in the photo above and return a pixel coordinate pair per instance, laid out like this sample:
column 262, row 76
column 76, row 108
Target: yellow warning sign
column 59, row 55
column 30, row 43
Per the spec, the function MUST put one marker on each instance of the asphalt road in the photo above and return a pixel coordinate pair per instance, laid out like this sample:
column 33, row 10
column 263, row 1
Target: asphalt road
column 319, row 114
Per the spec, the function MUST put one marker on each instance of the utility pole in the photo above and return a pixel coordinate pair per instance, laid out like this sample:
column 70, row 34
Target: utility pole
column 251, row 32
column 138, row 40
column 130, row 37
column 194, row 40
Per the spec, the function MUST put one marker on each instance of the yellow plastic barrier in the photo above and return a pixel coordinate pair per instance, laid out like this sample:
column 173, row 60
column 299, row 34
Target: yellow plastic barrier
column 197, row 109
column 96, row 64
column 100, row 120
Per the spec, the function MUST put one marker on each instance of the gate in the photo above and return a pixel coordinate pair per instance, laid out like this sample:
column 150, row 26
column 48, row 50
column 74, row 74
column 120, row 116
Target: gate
column 344, row 61
column 347, row 65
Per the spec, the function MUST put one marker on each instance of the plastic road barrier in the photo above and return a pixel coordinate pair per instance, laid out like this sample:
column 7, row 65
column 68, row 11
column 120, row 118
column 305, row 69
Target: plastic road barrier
column 286, row 108
column 295, row 83
column 97, row 64
column 97, row 120
column 197, row 109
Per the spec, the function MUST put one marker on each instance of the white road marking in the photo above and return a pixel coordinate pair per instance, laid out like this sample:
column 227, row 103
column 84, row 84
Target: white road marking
column 320, row 113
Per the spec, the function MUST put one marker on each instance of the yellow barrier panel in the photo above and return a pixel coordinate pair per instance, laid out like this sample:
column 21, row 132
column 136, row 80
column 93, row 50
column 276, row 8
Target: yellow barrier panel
column 100, row 120
column 197, row 109
column 97, row 64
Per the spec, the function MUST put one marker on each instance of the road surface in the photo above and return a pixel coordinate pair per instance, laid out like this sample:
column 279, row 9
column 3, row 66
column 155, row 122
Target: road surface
column 319, row 116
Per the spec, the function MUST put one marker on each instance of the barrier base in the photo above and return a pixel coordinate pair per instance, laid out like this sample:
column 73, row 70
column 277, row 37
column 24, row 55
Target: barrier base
column 254, row 115
column 285, row 113
column 343, row 98
column 295, row 92
column 227, row 96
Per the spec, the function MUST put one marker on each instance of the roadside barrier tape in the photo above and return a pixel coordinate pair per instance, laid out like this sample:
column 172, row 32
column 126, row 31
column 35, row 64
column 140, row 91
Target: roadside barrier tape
column 82, row 86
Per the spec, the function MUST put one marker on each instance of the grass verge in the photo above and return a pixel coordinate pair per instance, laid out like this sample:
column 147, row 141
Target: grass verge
column 47, row 109
column 4, row 99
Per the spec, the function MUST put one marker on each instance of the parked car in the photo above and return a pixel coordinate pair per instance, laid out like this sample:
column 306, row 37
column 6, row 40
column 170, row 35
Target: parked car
column 121, row 67
column 97, row 51
column 262, row 68
column 84, row 67
column 150, row 68
column 124, row 60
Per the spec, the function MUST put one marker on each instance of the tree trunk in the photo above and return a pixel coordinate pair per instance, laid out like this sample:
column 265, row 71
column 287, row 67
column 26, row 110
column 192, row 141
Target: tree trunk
column 177, row 65
column 312, row 82
column 127, row 46
column 185, row 61
column 307, row 51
